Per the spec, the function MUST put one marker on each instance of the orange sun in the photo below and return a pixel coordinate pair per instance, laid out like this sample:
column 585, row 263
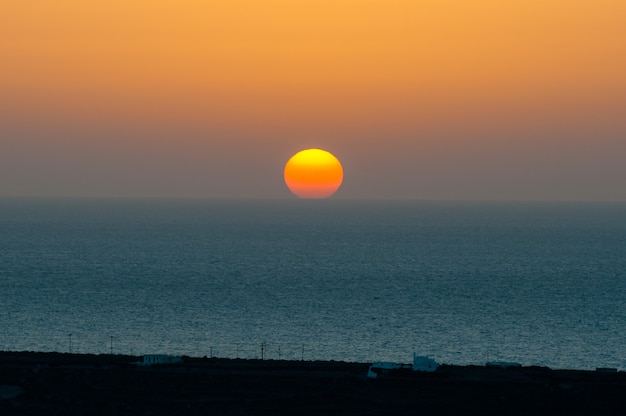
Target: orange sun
column 313, row 174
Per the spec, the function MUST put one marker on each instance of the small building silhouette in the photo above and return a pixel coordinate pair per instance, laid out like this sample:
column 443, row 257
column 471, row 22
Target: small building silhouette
column 420, row 363
column 426, row 364
column 154, row 359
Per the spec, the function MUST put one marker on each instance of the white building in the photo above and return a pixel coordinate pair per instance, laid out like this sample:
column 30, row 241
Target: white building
column 420, row 363
column 152, row 359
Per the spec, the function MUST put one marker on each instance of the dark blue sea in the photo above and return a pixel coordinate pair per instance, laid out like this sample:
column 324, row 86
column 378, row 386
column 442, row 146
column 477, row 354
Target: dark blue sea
column 465, row 283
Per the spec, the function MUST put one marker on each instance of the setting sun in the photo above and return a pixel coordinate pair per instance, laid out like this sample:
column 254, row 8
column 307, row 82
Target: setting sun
column 313, row 174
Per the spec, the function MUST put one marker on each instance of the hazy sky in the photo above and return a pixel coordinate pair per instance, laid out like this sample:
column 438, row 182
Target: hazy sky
column 420, row 99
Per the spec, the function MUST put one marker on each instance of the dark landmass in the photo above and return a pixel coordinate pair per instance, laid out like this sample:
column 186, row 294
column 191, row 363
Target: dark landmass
column 72, row 384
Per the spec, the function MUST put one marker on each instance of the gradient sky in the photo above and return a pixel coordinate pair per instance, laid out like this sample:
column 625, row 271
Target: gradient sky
column 419, row 99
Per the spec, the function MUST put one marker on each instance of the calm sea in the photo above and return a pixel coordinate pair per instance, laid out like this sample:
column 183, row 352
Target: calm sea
column 465, row 283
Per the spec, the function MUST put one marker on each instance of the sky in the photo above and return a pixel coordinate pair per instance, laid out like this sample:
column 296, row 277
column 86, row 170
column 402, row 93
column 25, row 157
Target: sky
column 419, row 99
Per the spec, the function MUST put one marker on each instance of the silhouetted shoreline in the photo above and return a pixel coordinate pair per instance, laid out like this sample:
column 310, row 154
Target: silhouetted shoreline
column 54, row 383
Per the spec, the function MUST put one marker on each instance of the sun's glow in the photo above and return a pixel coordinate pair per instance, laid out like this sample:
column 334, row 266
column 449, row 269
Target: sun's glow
column 313, row 174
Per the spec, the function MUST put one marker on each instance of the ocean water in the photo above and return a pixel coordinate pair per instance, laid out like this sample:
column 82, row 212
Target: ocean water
column 465, row 283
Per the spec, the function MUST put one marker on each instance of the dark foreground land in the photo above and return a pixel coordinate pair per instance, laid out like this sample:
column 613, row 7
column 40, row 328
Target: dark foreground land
column 65, row 384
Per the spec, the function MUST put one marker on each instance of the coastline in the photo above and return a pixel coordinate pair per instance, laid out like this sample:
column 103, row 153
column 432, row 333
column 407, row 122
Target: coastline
column 36, row 383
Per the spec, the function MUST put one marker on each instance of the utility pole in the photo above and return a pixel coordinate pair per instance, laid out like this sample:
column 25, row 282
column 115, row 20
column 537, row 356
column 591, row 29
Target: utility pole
column 111, row 344
column 262, row 350
column 70, row 343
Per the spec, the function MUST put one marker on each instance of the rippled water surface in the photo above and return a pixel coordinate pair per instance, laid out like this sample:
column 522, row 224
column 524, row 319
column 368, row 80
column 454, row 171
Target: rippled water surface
column 541, row 284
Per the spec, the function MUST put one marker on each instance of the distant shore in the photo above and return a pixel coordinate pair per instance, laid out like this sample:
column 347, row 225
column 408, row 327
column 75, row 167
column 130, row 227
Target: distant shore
column 33, row 383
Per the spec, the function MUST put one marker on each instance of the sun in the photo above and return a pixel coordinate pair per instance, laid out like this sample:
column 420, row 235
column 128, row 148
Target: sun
column 313, row 174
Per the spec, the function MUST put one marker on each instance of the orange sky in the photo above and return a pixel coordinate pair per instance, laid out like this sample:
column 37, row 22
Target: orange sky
column 419, row 99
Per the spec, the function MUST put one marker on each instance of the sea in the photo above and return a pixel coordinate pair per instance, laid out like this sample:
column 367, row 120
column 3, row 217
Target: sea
column 347, row 280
